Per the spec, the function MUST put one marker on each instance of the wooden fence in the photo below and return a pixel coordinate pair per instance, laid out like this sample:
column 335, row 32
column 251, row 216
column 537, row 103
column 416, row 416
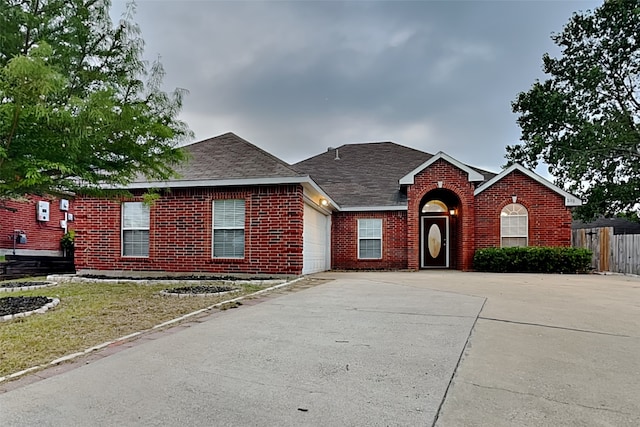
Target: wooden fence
column 17, row 266
column 616, row 253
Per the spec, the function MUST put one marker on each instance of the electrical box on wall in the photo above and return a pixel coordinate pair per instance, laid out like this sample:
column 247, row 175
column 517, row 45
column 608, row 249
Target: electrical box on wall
column 43, row 211
column 64, row 205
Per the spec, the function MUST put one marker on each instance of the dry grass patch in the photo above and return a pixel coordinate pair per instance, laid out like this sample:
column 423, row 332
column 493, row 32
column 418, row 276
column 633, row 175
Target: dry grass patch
column 90, row 314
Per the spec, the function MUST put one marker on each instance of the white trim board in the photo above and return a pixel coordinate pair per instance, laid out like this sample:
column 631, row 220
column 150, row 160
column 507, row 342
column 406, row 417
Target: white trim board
column 409, row 178
column 569, row 199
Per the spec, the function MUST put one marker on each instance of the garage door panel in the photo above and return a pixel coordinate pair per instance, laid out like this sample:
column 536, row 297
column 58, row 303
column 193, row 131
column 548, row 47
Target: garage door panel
column 316, row 241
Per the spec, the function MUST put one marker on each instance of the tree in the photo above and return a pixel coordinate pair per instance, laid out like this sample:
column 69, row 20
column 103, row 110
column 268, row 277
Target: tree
column 79, row 108
column 584, row 121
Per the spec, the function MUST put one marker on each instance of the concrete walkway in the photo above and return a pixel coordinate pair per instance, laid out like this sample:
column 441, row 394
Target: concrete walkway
column 352, row 352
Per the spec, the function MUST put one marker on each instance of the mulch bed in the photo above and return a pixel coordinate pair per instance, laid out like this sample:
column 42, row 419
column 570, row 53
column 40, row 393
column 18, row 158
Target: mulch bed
column 15, row 305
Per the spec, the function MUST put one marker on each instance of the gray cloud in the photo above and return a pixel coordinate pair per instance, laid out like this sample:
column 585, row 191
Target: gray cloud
column 297, row 77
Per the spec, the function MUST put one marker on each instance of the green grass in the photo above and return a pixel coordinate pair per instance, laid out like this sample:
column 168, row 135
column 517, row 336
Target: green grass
column 90, row 314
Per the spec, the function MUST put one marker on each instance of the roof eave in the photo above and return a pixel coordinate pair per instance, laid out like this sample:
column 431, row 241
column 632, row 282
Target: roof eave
column 569, row 199
column 373, row 208
column 473, row 175
column 305, row 181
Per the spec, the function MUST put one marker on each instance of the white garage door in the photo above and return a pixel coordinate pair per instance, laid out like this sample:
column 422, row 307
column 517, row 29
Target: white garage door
column 316, row 236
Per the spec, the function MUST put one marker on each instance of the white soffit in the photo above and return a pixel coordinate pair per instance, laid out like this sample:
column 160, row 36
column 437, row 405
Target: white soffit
column 569, row 199
column 373, row 208
column 307, row 183
column 408, row 179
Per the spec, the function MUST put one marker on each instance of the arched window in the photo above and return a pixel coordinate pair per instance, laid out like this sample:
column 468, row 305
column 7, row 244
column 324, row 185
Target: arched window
column 514, row 225
column 434, row 206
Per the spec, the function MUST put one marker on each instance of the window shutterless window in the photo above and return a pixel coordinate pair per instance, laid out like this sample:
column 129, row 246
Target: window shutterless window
column 369, row 238
column 514, row 225
column 228, row 229
column 135, row 229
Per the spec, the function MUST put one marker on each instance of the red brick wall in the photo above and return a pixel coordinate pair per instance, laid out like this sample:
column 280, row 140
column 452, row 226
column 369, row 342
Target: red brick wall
column 462, row 227
column 181, row 232
column 41, row 236
column 549, row 218
column 344, row 245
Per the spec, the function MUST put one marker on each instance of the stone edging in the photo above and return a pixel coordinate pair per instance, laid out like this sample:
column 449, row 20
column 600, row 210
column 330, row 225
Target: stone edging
column 208, row 294
column 41, row 310
column 136, row 334
column 74, row 278
column 27, row 288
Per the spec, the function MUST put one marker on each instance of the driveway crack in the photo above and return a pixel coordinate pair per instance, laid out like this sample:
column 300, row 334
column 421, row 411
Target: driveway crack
column 455, row 369
column 554, row 327
column 521, row 393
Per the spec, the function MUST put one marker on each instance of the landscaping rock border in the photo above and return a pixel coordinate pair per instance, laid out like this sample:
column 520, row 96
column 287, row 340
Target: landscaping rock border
column 198, row 291
column 152, row 281
column 27, row 287
column 54, row 302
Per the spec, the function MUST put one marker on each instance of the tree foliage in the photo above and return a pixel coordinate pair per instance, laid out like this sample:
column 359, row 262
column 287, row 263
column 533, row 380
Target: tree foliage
column 584, row 120
column 79, row 107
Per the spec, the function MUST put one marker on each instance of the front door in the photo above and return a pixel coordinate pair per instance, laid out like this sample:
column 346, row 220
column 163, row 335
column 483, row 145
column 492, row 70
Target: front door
column 435, row 236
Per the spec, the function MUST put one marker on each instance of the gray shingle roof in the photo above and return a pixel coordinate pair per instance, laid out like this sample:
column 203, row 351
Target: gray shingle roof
column 366, row 174
column 620, row 225
column 230, row 157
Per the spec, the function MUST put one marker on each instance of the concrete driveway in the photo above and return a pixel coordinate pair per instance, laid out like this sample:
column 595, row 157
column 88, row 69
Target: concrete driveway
column 374, row 349
column 349, row 352
column 547, row 350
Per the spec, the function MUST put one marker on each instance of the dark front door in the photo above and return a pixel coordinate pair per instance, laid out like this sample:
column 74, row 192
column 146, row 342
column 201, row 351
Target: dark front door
column 435, row 236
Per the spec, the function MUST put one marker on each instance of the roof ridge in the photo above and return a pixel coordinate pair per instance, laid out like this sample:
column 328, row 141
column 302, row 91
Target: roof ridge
column 273, row 157
column 246, row 142
column 369, row 144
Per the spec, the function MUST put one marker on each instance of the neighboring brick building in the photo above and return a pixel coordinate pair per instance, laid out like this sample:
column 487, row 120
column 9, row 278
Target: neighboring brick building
column 20, row 218
column 237, row 209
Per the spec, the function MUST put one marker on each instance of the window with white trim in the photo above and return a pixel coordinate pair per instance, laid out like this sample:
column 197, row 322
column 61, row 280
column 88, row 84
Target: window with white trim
column 228, row 228
column 369, row 238
column 514, row 225
column 135, row 229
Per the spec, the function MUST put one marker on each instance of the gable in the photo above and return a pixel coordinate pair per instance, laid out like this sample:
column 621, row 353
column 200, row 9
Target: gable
column 227, row 157
column 569, row 199
column 473, row 175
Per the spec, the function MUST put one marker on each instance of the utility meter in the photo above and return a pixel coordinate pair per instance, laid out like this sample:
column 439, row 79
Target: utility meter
column 43, row 210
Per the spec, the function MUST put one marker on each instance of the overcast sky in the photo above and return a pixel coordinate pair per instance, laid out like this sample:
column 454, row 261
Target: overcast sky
column 295, row 77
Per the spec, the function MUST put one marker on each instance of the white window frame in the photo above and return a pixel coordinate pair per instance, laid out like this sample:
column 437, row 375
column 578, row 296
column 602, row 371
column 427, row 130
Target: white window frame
column 227, row 227
column 124, row 228
column 361, row 238
column 509, row 211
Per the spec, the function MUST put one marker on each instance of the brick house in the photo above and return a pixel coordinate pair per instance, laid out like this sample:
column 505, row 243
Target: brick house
column 238, row 209
column 33, row 225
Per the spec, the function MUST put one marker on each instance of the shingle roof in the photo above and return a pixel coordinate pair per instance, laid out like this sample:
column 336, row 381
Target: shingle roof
column 366, row 175
column 620, row 225
column 230, row 157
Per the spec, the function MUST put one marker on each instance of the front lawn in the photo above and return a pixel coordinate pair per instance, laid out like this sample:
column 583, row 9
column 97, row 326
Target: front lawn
column 90, row 314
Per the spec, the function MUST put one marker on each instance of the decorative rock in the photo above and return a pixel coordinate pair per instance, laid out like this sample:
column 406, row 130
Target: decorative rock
column 54, row 302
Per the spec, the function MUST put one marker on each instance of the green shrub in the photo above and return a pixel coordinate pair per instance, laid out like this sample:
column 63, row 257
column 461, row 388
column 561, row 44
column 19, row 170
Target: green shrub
column 532, row 259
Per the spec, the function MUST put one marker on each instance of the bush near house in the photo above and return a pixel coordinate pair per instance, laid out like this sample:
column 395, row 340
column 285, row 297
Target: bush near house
column 532, row 260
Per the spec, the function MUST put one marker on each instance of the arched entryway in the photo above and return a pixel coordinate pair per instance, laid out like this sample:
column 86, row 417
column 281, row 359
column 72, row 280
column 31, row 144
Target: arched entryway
column 439, row 223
